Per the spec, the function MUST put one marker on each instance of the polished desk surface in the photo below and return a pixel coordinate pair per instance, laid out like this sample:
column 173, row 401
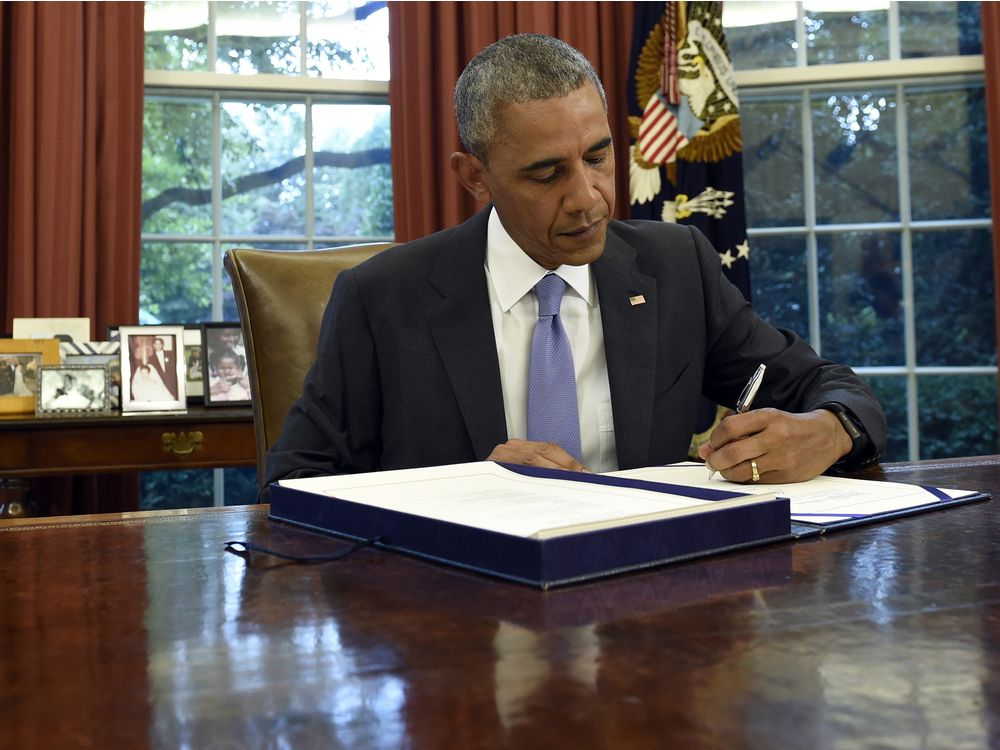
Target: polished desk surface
column 137, row 630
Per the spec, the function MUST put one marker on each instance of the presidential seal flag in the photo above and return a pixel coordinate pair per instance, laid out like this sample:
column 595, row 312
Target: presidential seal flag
column 685, row 160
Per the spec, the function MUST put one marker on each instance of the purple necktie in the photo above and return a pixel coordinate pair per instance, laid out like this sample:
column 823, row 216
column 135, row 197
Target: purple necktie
column 552, row 412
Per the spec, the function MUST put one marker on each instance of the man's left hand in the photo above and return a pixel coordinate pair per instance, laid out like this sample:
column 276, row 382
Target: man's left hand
column 785, row 447
column 531, row 453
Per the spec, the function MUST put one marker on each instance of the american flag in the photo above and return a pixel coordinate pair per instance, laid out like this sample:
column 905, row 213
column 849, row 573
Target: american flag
column 659, row 135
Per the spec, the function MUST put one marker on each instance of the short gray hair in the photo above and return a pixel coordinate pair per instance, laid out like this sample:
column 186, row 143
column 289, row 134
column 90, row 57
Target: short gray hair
column 519, row 68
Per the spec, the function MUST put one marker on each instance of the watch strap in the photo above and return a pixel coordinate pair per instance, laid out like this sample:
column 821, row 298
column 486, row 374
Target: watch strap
column 855, row 430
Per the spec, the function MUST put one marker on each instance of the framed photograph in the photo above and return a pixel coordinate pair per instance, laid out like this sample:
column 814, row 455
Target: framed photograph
column 20, row 361
column 152, row 368
column 112, row 363
column 194, row 375
column 64, row 329
column 73, row 390
column 227, row 381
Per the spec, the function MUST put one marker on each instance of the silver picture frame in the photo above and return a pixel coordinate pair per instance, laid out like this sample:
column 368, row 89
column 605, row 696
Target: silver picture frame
column 73, row 390
column 152, row 369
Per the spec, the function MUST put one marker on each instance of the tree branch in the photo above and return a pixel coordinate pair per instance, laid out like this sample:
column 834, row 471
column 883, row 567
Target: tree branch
column 254, row 180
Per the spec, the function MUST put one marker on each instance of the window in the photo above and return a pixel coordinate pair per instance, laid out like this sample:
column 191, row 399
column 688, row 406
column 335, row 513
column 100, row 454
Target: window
column 265, row 125
column 868, row 204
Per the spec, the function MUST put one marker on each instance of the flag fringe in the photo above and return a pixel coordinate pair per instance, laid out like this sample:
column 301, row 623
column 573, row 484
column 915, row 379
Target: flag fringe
column 649, row 68
column 700, row 438
column 722, row 140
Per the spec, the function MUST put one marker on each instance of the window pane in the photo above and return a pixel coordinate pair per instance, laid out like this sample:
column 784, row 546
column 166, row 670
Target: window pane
column 348, row 40
column 958, row 415
column 176, row 35
column 760, row 34
column 258, row 37
column 772, row 160
column 175, row 282
column 166, row 490
column 891, row 393
column 860, row 283
column 854, row 137
column 177, row 166
column 779, row 281
column 948, row 144
column 954, row 297
column 931, row 28
column 263, row 145
column 353, row 183
column 842, row 35
column 239, row 486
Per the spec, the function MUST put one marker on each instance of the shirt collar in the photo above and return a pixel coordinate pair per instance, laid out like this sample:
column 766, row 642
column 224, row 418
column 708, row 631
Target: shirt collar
column 514, row 273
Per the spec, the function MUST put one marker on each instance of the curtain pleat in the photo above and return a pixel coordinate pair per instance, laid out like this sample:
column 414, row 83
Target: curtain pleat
column 430, row 43
column 990, row 13
column 73, row 92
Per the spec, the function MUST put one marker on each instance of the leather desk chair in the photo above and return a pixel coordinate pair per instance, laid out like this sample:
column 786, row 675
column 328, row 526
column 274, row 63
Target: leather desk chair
column 281, row 297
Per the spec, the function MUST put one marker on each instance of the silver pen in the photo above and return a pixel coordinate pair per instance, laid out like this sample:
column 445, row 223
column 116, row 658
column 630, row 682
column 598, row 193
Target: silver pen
column 745, row 401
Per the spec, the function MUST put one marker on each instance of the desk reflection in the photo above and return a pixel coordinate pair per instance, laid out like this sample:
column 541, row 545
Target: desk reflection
column 353, row 654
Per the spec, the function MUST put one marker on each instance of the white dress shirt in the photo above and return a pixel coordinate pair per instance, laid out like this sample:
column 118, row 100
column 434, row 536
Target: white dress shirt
column 511, row 275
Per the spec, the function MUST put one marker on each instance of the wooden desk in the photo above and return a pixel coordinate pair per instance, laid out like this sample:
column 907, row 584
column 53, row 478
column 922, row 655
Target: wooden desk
column 201, row 438
column 139, row 631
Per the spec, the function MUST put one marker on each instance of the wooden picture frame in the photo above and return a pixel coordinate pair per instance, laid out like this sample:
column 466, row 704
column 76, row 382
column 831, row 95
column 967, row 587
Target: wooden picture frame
column 149, row 384
column 26, row 356
column 227, row 379
column 73, row 390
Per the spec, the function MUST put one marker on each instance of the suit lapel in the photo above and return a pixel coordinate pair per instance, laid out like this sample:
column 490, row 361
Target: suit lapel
column 628, row 311
column 462, row 328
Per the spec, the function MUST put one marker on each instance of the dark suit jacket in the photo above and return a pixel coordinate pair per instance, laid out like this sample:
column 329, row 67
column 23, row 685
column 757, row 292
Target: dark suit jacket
column 407, row 374
column 168, row 373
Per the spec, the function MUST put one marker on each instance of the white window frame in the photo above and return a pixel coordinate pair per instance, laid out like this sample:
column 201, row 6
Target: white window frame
column 261, row 86
column 897, row 74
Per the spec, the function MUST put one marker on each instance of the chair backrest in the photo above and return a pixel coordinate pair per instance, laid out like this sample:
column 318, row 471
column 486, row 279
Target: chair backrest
column 281, row 297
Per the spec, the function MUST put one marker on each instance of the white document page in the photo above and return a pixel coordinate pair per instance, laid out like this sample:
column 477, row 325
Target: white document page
column 488, row 496
column 820, row 500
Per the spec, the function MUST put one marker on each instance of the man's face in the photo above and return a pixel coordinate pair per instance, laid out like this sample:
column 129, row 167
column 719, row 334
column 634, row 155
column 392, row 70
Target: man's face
column 551, row 177
column 158, row 344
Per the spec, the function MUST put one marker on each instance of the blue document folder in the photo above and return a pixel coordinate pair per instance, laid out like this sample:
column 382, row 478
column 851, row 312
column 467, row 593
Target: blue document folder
column 631, row 537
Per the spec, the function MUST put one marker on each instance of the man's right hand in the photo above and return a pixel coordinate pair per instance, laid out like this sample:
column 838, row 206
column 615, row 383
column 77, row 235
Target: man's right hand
column 543, row 455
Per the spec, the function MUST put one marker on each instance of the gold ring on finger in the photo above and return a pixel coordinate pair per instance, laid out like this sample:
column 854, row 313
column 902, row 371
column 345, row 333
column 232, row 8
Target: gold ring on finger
column 753, row 468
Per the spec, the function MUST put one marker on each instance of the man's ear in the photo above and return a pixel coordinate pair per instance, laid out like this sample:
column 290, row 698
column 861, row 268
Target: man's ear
column 471, row 173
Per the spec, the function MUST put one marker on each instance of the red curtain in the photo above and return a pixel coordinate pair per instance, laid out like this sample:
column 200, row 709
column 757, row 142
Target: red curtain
column 991, row 56
column 71, row 93
column 430, row 43
column 71, row 176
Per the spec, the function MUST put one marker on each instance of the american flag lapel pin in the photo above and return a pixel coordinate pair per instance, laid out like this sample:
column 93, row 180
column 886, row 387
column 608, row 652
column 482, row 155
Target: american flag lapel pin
column 638, row 299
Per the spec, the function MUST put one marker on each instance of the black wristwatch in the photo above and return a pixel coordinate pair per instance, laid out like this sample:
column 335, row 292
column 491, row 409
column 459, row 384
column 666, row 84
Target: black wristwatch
column 854, row 428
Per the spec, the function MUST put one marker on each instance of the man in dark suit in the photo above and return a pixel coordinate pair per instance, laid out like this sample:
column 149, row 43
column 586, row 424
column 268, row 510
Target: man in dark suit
column 165, row 362
column 423, row 356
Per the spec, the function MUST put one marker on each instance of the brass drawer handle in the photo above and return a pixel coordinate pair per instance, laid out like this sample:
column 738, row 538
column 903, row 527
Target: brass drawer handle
column 182, row 443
